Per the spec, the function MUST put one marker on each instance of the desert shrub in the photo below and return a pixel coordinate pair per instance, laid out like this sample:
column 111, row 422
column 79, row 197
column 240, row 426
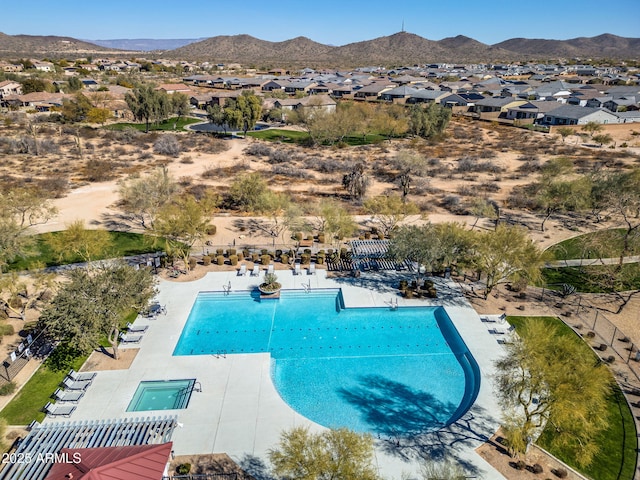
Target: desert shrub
column 219, row 251
column 211, row 230
column 490, row 186
column 167, row 145
column 206, row 260
column 48, row 146
column 519, row 465
column 466, row 190
column 231, row 251
column 8, row 389
column 192, row 263
column 186, row 160
column 284, row 258
column 98, row 170
column 145, row 156
column 452, row 203
column 233, row 259
column 265, row 259
column 7, row 330
column 537, row 468
column 289, row 171
column 185, row 181
column 258, row 150
column 326, row 165
column 279, row 156
column 305, row 258
column 183, row 468
column 560, row 472
column 55, row 187
column 220, row 259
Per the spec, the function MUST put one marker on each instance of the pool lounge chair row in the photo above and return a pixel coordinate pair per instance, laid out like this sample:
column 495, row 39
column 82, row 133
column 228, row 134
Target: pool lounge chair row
column 242, row 271
column 75, row 384
column 55, row 410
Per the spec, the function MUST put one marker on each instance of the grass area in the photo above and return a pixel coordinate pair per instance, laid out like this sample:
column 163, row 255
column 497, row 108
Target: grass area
column 581, row 278
column 130, row 317
column 165, row 125
column 294, row 136
column 27, row 405
column 577, row 247
column 616, row 459
column 122, row 244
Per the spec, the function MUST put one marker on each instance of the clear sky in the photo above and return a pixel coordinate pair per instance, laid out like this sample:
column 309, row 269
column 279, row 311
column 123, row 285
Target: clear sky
column 335, row 22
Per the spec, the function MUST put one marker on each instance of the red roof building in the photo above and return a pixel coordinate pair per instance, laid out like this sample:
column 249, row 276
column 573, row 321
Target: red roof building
column 140, row 462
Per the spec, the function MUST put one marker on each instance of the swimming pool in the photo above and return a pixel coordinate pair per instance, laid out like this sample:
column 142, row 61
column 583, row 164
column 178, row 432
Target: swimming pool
column 161, row 395
column 390, row 372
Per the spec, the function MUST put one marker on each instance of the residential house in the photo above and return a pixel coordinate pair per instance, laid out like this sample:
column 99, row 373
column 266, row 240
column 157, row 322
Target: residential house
column 44, row 66
column 632, row 116
column 9, row 87
column 530, row 111
column 496, row 104
column 398, row 94
column 174, row 88
column 427, row 96
column 373, row 90
column 574, row 115
column 316, row 102
column 622, row 104
column 11, row 67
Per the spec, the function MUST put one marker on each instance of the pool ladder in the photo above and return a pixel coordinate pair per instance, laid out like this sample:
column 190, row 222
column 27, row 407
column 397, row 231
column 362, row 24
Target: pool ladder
column 221, row 353
column 306, row 287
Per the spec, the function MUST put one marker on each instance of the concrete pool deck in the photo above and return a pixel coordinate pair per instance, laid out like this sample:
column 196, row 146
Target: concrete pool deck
column 239, row 410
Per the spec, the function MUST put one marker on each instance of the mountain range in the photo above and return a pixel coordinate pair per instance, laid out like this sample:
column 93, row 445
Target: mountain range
column 401, row 48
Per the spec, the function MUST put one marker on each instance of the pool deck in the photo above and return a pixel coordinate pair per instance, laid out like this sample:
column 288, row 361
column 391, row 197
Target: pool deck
column 239, row 410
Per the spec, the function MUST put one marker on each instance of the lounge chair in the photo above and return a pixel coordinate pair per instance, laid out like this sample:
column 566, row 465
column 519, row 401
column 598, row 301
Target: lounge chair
column 59, row 410
column 502, row 331
column 131, row 328
column 270, row 268
column 312, row 269
column 65, row 396
column 130, row 338
column 296, row 269
column 70, row 384
column 256, row 270
column 243, row 270
column 81, row 377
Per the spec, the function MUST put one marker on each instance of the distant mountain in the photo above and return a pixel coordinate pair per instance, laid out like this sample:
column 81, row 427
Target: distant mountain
column 146, row 44
column 46, row 46
column 602, row 46
column 401, row 48
column 249, row 50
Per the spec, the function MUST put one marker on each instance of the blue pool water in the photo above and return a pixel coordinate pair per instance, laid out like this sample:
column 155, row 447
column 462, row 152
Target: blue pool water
column 161, row 395
column 389, row 372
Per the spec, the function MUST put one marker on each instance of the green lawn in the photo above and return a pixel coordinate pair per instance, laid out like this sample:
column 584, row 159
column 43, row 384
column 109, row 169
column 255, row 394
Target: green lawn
column 616, row 459
column 27, row 405
column 294, row 136
column 553, row 278
column 165, row 125
column 575, row 247
column 122, row 244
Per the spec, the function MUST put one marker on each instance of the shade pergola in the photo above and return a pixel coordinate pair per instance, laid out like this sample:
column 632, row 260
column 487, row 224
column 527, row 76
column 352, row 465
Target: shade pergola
column 370, row 255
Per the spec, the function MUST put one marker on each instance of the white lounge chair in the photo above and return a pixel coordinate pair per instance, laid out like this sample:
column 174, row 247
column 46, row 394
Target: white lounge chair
column 131, row 328
column 296, row 269
column 502, row 331
column 59, row 410
column 81, row 377
column 69, row 384
column 312, row 269
column 270, row 268
column 256, row 270
column 130, row 338
column 243, row 270
column 65, row 396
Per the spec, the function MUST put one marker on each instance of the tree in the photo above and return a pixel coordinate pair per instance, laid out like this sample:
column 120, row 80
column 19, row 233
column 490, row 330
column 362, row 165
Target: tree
column 602, row 139
column 432, row 246
column 507, row 253
column 332, row 219
column 19, row 294
column 75, row 109
column 99, row 115
column 31, row 85
column 443, row 470
column 483, row 208
column 184, row 221
column 591, row 128
column 560, row 195
column 247, row 192
column 284, row 214
column 148, row 104
column 76, row 242
column 330, row 455
column 357, row 182
column 549, row 378
column 92, row 303
column 250, row 108
column 388, row 211
column 429, row 121
column 74, row 84
column 216, row 116
column 390, row 121
column 564, row 132
column 180, row 104
column 142, row 197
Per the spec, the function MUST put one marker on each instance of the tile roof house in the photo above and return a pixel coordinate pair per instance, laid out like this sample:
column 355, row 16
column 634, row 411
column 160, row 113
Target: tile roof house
column 139, row 462
column 174, row 88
